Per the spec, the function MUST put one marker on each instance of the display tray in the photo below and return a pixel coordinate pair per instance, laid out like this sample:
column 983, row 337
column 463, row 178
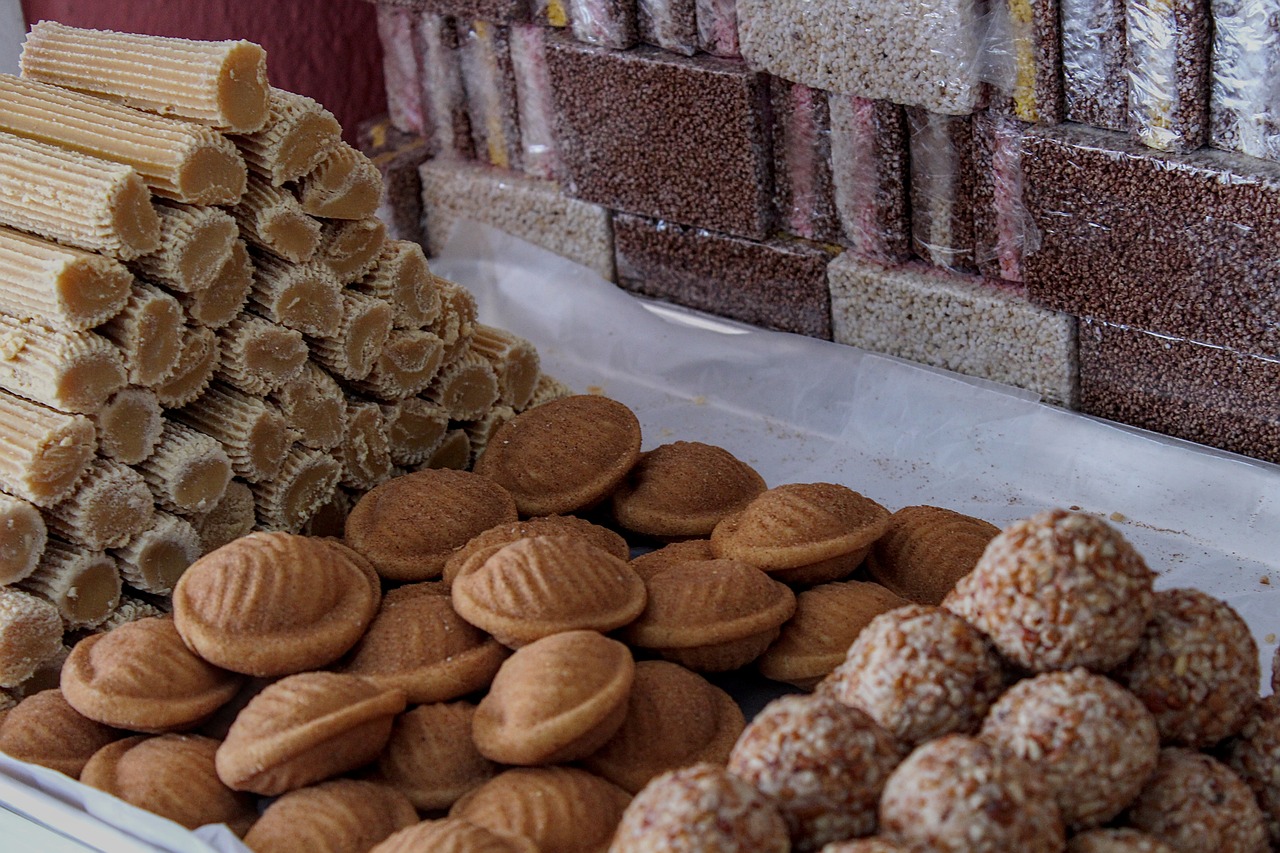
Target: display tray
column 804, row 410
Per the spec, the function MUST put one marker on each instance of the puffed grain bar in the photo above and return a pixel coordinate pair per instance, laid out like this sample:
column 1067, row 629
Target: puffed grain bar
column 108, row 507
column 296, row 136
column 148, row 331
column 195, row 243
column 84, row 585
column 514, row 360
column 351, row 248
column 76, row 199
column 176, row 159
column 402, row 278
column 129, row 610
column 43, row 452
column 313, row 405
column 25, row 535
column 30, row 634
column 454, row 451
column 154, row 559
column 68, row 371
column 345, row 185
column 548, row 388
column 354, row 349
column 466, row 387
column 253, row 433
column 129, row 425
column 482, row 429
column 231, row 518
column 197, row 362
column 272, row 219
column 259, row 356
column 366, row 453
column 415, row 428
column 409, row 361
column 221, row 84
column 62, row 287
column 218, row 304
column 307, row 480
column 188, row 472
column 306, row 297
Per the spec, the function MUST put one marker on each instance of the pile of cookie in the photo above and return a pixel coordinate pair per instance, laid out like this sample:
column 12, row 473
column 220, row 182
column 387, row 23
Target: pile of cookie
column 479, row 664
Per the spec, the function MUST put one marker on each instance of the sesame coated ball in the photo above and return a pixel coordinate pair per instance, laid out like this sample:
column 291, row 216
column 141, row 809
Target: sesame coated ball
column 1195, row 803
column 1092, row 741
column 1196, row 669
column 959, row 793
column 700, row 809
column 822, row 763
column 1254, row 755
column 921, row 672
column 1057, row 590
column 1123, row 840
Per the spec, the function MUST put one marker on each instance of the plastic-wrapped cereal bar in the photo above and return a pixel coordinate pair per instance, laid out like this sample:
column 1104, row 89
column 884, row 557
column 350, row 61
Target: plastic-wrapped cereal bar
column 539, row 156
column 345, row 185
column 198, row 361
column 1243, row 105
column 604, row 23
column 415, row 428
column 869, row 163
column 24, row 538
column 365, row 454
column 1034, row 39
column 307, row 481
column 108, row 506
column 400, row 205
column 231, row 518
column 298, row 135
column 253, row 433
column 259, row 356
column 803, row 187
column 43, row 452
column 466, row 388
column 195, row 243
column 550, row 13
column 306, row 297
column 148, row 331
column 718, row 26
column 450, row 126
column 514, row 360
column 153, row 560
column 409, row 361
column 30, row 634
column 129, row 424
column 454, row 451
column 222, row 84
column 69, row 371
column 481, row 430
column 1168, row 73
column 222, row 299
column 177, row 159
column 330, row 518
column 490, row 83
column 1002, row 228
column 1095, row 80
column 402, row 278
column 942, row 188
column 354, row 349
column 63, row 288
column 668, row 24
column 272, row 219
column 351, row 248
column 188, row 472
column 76, row 199
column 397, row 31
column 548, row 388
column 83, row 585
column 313, row 406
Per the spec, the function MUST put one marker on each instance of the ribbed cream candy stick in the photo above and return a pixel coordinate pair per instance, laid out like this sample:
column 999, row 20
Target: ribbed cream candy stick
column 154, row 559
column 548, row 388
column 345, row 185
column 177, row 159
column 68, row 371
column 197, row 362
column 43, row 452
column 84, row 585
column 297, row 135
column 148, row 331
column 272, row 219
column 108, row 506
column 22, row 538
column 129, row 425
column 30, row 634
column 353, row 350
column 76, row 199
column 331, row 517
column 259, row 356
column 415, row 428
column 62, row 287
column 351, row 247
column 313, row 405
column 513, row 358
column 195, row 243
column 307, row 480
column 482, row 429
column 409, row 361
column 221, row 84
column 188, row 472
column 129, row 610
column 306, row 297
column 466, row 387
column 402, row 278
column 253, row 432
column 457, row 321
column 366, row 452
column 48, row 675
column 454, row 451
column 222, row 300
column 232, row 518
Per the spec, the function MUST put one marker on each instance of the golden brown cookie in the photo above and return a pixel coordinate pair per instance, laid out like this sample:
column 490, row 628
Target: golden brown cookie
column 431, row 757
column 536, row 587
column 804, row 533
column 407, row 527
column 305, row 728
column 275, row 603
column 689, row 551
column 543, row 525
column 451, row 835
column 926, row 550
column 44, row 729
column 142, row 677
column 555, row 700
column 565, row 455
column 683, row 489
column 173, row 776
column 675, row 718
column 338, row 815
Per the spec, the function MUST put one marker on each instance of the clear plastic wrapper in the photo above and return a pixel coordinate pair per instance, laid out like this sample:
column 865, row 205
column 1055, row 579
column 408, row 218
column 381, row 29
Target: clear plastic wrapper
column 490, row 83
column 1002, row 228
column 869, row 163
column 718, row 27
column 446, row 101
column 400, row 69
column 1095, row 81
column 604, row 23
column 668, row 24
column 1035, row 44
column 942, row 177
column 1244, row 97
column 539, row 156
column 1168, row 73
column 804, row 191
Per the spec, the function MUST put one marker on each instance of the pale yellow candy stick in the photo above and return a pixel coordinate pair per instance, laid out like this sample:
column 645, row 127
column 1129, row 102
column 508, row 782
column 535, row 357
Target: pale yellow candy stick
column 351, row 247
column 188, row 472
column 313, row 405
column 108, row 507
column 366, row 452
column 195, row 243
column 403, row 279
column 297, row 135
column 68, row 371
column 409, row 361
column 415, row 428
column 466, row 387
column 83, row 585
column 482, row 429
column 75, row 199
column 259, row 356
column 197, row 362
column 232, row 518
column 62, row 287
column 23, row 539
column 454, row 451
column 253, row 432
column 43, row 452
column 272, row 219
column 129, row 425
column 154, row 559
column 30, row 634
column 345, row 185
column 354, row 349
column 307, row 480
column 148, row 331
column 221, row 84
column 222, row 300
column 306, row 297
column 513, row 358
column 176, row 159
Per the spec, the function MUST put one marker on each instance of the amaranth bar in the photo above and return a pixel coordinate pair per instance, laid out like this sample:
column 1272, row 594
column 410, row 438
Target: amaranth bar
column 870, row 165
column 490, row 83
column 942, row 188
column 805, row 192
column 1001, row 225
column 1094, row 74
column 397, row 156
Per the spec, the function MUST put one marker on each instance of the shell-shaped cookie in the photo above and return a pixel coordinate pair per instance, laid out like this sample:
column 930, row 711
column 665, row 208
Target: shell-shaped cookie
column 675, row 718
column 341, row 814
column 926, row 550
column 557, row 808
column 797, row 524
column 419, row 644
column 555, row 700
column 173, row 776
column 142, row 677
column 536, row 587
column 44, row 729
column 451, row 835
column 543, row 525
column 305, row 728
column 275, row 603
column 431, row 757
column 565, row 455
column 688, row 551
